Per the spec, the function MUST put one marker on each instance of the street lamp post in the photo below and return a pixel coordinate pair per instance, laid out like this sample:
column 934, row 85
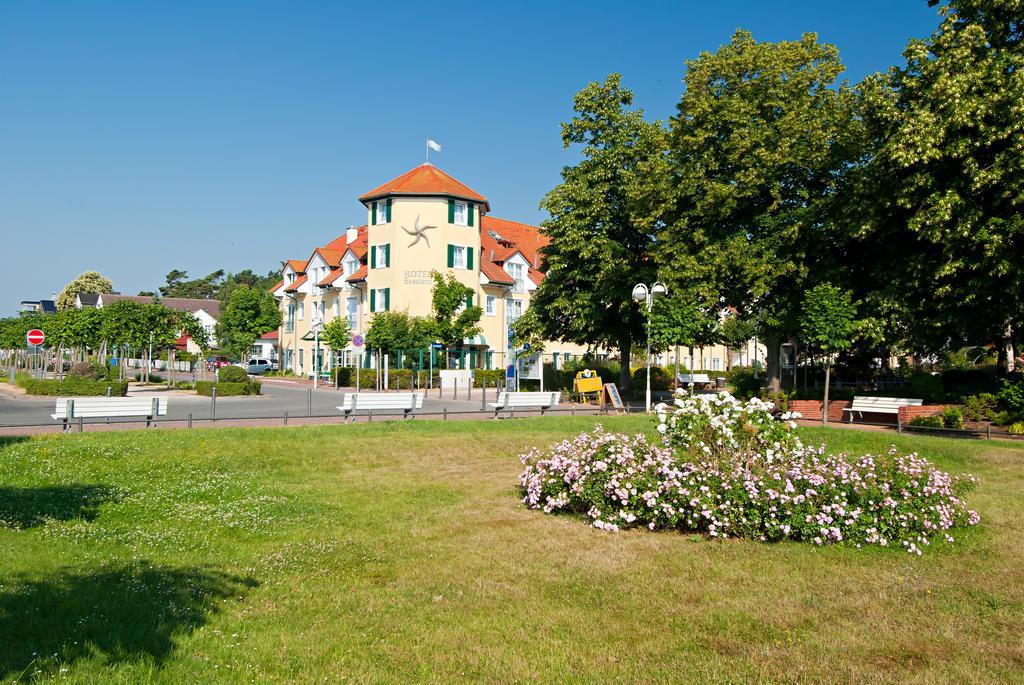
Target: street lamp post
column 646, row 296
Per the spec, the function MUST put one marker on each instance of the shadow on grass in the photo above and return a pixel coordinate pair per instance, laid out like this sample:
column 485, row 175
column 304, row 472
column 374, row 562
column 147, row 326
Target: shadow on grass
column 115, row 615
column 32, row 506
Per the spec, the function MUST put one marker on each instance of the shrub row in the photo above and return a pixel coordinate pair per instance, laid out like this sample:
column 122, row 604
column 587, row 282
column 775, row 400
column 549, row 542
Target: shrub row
column 227, row 389
column 72, row 386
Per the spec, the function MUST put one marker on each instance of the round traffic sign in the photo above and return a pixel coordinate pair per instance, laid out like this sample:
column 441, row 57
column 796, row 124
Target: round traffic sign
column 357, row 341
column 35, row 337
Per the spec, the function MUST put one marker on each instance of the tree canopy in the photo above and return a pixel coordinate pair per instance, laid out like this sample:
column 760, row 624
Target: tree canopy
column 88, row 282
column 247, row 315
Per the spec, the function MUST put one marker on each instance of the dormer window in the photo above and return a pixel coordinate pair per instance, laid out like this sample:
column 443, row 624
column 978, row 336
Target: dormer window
column 351, row 266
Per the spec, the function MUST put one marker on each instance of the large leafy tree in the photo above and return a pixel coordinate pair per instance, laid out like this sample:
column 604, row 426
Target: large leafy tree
column 828, row 322
column 398, row 331
column 762, row 139
column 945, row 186
column 604, row 218
column 88, row 282
column 453, row 317
column 248, row 314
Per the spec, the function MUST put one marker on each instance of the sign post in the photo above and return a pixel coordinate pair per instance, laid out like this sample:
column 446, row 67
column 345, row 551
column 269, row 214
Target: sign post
column 35, row 337
column 357, row 342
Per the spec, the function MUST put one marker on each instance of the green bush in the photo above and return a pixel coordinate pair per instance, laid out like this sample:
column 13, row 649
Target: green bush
column 953, row 417
column 1016, row 428
column 981, row 407
column 492, row 376
column 88, row 370
column 232, row 374
column 661, row 379
column 343, row 376
column 934, row 421
column 927, row 387
column 1011, row 398
column 744, row 384
column 71, row 387
column 228, row 389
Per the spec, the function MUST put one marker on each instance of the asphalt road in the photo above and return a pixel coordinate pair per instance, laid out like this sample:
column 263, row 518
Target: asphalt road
column 278, row 397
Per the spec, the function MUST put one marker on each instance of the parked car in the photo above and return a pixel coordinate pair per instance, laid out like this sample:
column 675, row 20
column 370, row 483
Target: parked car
column 213, row 363
column 257, row 366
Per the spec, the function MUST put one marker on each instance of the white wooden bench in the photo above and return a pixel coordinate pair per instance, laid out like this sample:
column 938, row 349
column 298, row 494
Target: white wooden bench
column 407, row 402
column 516, row 400
column 880, row 405
column 70, row 408
column 695, row 378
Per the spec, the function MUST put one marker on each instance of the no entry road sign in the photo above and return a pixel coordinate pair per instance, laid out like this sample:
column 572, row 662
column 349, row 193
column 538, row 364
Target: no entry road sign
column 35, row 337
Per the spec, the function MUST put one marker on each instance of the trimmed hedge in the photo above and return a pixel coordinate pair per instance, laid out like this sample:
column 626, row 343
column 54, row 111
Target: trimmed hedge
column 227, row 389
column 232, row 374
column 71, row 387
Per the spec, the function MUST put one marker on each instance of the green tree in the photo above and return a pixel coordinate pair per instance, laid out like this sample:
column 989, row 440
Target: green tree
column 944, row 189
column 760, row 145
column 828, row 321
column 453, row 316
column 246, row 316
column 88, row 282
column 179, row 285
column 735, row 332
column 337, row 334
column 682, row 320
column 604, row 217
column 398, row 331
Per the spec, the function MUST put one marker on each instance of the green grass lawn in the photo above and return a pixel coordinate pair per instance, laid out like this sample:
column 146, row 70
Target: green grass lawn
column 399, row 552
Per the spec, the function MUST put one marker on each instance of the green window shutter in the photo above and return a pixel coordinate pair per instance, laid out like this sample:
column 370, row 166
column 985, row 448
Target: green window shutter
column 451, row 256
column 387, row 299
column 388, row 210
column 373, row 300
column 373, row 256
column 469, row 213
column 451, row 211
column 469, row 300
column 387, row 248
column 373, row 213
column 469, row 257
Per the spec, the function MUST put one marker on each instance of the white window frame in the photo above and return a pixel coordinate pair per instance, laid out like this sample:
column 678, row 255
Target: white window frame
column 351, row 266
column 336, row 307
column 464, row 219
column 489, row 308
column 380, row 209
column 302, row 310
column 515, row 270
column 456, row 251
column 378, row 301
column 382, row 255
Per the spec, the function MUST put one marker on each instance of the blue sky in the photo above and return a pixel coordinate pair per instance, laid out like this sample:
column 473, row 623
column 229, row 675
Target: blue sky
column 136, row 138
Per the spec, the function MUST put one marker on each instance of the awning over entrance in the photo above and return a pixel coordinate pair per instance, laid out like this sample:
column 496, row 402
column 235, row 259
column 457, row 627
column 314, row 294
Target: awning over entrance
column 476, row 341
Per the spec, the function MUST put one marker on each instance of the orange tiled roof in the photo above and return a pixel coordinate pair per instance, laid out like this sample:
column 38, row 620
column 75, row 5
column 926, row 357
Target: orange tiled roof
column 494, row 273
column 358, row 246
column 501, row 238
column 331, row 277
column 426, row 179
column 298, row 265
column 331, row 257
column 277, row 285
column 296, row 283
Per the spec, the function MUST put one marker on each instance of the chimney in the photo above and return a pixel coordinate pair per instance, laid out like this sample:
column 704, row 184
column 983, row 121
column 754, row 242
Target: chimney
column 351, row 233
column 535, row 267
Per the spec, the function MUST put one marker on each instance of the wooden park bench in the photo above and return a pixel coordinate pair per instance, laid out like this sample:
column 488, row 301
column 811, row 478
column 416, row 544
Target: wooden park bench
column 695, row 378
column 70, row 408
column 407, row 402
column 880, row 405
column 525, row 400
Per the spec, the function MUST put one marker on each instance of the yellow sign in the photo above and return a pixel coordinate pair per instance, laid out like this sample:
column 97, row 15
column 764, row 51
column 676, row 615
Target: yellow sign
column 587, row 380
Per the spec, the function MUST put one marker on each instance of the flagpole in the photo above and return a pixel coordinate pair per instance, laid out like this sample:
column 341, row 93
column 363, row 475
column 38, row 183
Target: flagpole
column 426, row 145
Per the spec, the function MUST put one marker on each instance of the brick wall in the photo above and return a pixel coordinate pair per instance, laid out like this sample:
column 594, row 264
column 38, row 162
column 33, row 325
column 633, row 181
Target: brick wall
column 811, row 409
column 909, row 413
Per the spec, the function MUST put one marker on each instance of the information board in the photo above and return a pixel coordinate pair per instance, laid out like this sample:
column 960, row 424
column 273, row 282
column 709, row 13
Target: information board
column 611, row 395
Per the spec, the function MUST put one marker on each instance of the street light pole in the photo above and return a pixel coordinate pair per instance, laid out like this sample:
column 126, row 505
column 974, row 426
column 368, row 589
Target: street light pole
column 646, row 296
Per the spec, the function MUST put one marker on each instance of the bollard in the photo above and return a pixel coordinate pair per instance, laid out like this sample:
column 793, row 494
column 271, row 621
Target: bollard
column 469, row 390
column 108, row 391
column 286, row 417
column 446, row 413
column 572, row 410
column 190, row 419
column 369, row 416
column 309, row 402
column 988, row 431
column 483, row 395
column 81, row 424
column 899, row 425
column 213, row 403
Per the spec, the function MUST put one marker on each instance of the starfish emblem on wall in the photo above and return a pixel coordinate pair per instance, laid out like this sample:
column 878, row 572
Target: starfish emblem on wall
column 418, row 231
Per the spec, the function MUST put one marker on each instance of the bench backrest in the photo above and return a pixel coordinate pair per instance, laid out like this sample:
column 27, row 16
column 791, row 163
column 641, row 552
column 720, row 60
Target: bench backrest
column 391, row 400
column 100, row 407
column 528, row 399
column 697, row 378
column 883, row 404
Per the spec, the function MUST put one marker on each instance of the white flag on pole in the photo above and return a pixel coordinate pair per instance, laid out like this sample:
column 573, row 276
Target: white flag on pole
column 433, row 146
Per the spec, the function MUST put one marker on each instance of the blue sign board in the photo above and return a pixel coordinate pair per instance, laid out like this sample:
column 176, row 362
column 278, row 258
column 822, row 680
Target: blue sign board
column 113, row 361
column 437, row 346
column 510, row 372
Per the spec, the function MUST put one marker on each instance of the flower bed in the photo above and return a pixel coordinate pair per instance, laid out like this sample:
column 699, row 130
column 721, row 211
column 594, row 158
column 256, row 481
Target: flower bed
column 731, row 469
